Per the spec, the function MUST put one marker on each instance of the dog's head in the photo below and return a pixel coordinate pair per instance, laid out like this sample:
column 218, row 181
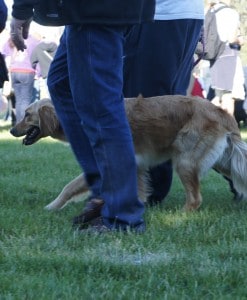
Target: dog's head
column 40, row 121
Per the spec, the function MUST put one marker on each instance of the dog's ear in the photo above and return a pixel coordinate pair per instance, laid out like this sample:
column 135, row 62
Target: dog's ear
column 49, row 123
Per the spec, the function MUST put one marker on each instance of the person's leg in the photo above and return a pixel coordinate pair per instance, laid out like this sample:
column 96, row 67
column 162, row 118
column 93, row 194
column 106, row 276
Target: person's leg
column 23, row 88
column 12, row 100
column 36, row 90
column 228, row 103
column 94, row 60
column 224, row 100
column 155, row 66
column 59, row 89
column 216, row 101
column 210, row 94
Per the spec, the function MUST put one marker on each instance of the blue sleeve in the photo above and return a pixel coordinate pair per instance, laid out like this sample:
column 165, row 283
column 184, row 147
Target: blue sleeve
column 3, row 15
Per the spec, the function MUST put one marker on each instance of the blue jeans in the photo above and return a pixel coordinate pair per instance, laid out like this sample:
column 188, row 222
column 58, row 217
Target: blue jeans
column 85, row 83
column 22, row 84
column 158, row 61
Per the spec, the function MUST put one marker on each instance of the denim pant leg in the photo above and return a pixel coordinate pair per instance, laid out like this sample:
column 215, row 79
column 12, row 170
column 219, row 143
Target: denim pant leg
column 22, row 84
column 60, row 92
column 94, row 59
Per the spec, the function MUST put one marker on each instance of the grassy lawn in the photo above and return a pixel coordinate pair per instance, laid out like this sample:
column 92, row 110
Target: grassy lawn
column 201, row 255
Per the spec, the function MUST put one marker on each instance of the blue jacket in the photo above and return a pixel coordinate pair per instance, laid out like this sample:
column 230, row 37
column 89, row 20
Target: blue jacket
column 64, row 12
column 3, row 15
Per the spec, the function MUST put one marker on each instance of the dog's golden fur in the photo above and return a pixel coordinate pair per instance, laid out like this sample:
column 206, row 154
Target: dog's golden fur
column 195, row 134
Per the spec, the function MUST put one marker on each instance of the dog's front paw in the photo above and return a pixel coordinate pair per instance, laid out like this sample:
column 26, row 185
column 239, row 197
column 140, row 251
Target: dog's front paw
column 52, row 206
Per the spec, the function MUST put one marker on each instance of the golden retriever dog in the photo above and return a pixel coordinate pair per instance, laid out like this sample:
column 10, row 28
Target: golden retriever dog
column 195, row 134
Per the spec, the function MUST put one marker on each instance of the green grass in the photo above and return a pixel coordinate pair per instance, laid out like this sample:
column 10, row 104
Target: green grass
column 199, row 255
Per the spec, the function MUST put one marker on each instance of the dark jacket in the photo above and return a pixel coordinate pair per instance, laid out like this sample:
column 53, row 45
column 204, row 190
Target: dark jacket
column 64, row 12
column 3, row 15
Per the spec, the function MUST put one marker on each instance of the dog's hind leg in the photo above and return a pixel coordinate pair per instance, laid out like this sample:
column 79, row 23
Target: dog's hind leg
column 190, row 180
column 144, row 189
column 73, row 189
column 233, row 164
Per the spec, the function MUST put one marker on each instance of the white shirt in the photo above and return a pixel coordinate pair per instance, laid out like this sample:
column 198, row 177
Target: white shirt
column 179, row 9
column 228, row 23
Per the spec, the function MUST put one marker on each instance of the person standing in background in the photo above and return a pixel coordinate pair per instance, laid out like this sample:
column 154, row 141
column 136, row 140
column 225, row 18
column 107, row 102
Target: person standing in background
column 85, row 82
column 3, row 19
column 43, row 55
column 22, row 74
column 3, row 68
column 41, row 59
column 159, row 60
column 227, row 76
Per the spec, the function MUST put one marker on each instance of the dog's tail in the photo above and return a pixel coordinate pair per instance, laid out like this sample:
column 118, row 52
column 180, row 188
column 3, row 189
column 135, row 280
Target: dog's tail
column 238, row 164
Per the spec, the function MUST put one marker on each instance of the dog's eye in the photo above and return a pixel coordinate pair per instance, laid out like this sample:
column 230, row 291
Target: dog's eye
column 27, row 114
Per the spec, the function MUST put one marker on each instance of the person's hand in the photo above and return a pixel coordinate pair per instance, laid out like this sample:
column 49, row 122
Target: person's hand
column 19, row 30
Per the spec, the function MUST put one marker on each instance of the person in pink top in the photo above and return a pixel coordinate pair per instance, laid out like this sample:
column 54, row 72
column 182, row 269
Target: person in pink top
column 22, row 73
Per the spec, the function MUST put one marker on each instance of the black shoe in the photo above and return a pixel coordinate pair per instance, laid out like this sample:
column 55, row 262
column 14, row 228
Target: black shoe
column 91, row 211
column 96, row 226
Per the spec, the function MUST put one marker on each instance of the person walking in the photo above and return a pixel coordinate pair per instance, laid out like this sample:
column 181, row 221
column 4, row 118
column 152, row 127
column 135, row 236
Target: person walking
column 85, row 83
column 41, row 59
column 227, row 76
column 22, row 74
column 159, row 60
column 3, row 69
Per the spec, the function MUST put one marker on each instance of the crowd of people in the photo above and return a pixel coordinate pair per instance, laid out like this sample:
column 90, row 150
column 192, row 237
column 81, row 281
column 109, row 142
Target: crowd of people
column 223, row 80
column 105, row 55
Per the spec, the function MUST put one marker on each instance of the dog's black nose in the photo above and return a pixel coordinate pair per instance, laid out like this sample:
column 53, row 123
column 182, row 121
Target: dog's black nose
column 13, row 131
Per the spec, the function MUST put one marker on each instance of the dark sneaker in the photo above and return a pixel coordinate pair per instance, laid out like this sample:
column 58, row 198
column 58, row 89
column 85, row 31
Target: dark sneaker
column 91, row 211
column 98, row 226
